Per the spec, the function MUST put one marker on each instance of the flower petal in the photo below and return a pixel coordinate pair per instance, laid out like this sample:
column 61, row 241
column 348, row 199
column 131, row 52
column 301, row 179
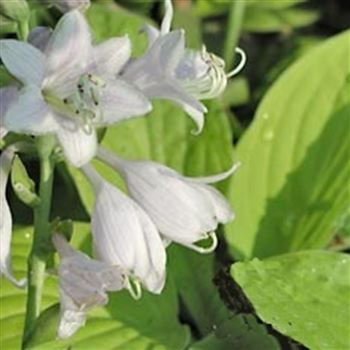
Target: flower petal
column 120, row 100
column 6, row 222
column 78, row 146
column 151, row 32
column 171, row 90
column 68, row 53
column 125, row 236
column 221, row 208
column 7, row 96
column 215, row 178
column 39, row 37
column 24, row 61
column 111, row 56
column 30, row 113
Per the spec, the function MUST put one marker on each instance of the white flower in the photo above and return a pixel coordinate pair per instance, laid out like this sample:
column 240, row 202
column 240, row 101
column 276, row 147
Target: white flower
column 8, row 95
column 124, row 235
column 69, row 88
column 168, row 70
column 185, row 210
column 83, row 285
column 6, row 158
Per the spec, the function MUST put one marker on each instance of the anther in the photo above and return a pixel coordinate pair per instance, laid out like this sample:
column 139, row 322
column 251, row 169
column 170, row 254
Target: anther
column 65, row 101
column 77, row 111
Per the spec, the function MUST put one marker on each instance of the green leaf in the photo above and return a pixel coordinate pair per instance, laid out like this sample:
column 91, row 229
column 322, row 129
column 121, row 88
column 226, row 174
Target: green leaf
column 305, row 295
column 22, row 184
column 13, row 300
column 264, row 19
column 123, row 324
column 221, row 328
column 110, row 20
column 290, row 191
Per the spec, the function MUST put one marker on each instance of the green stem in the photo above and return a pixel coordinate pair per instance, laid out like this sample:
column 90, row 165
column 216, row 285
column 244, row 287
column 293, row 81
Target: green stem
column 233, row 30
column 39, row 254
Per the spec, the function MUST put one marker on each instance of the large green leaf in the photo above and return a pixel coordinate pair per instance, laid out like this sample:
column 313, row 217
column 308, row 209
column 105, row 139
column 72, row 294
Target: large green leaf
column 291, row 189
column 124, row 323
column 305, row 295
column 13, row 300
column 222, row 329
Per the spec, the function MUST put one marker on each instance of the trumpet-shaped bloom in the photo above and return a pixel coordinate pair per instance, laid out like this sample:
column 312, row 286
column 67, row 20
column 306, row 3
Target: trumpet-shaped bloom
column 6, row 220
column 124, row 235
column 170, row 71
column 83, row 285
column 68, row 93
column 185, row 210
column 8, row 95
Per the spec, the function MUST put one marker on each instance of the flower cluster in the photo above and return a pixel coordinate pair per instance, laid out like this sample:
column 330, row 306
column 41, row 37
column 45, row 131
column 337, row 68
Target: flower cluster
column 69, row 95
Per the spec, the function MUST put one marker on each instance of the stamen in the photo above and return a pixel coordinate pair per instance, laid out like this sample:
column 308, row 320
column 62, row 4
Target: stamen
column 210, row 249
column 240, row 65
column 134, row 288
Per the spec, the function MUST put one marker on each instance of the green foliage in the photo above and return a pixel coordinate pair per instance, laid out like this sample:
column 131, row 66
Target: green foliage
column 290, row 191
column 305, row 295
column 221, row 328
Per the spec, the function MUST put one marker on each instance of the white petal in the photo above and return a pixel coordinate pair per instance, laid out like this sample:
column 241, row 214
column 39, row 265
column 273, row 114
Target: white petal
column 216, row 178
column 125, row 236
column 171, row 90
column 30, row 113
column 69, row 5
column 221, row 208
column 8, row 95
column 6, row 222
column 70, row 322
column 168, row 17
column 78, row 145
column 192, row 65
column 179, row 210
column 111, row 56
column 39, row 37
column 83, row 285
column 151, row 32
column 120, row 100
column 168, row 50
column 24, row 61
column 68, row 53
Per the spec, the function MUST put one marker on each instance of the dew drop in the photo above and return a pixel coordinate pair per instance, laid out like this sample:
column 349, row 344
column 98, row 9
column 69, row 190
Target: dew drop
column 268, row 135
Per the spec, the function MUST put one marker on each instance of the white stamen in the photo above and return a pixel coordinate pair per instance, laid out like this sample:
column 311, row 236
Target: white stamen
column 240, row 65
column 210, row 249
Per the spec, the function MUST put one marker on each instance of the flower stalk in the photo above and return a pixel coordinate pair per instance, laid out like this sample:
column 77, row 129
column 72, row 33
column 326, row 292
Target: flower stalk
column 39, row 253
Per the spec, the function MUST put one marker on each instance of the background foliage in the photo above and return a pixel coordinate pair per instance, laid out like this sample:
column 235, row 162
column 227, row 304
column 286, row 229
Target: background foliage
column 286, row 117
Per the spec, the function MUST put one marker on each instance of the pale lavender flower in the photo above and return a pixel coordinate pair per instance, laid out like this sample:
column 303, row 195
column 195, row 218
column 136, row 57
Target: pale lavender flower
column 8, row 95
column 6, row 158
column 124, row 235
column 184, row 209
column 170, row 71
column 83, row 285
column 70, row 88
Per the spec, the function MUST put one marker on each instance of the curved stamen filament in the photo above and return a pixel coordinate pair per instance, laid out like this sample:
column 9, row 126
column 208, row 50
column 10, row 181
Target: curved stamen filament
column 134, row 288
column 210, row 249
column 240, row 65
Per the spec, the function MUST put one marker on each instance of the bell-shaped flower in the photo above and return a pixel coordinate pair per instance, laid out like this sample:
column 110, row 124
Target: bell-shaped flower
column 124, row 235
column 8, row 95
column 185, row 210
column 170, row 71
column 70, row 87
column 83, row 284
column 6, row 158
